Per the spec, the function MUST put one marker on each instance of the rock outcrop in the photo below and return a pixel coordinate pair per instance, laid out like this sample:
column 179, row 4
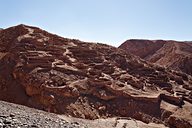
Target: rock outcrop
column 171, row 54
column 88, row 80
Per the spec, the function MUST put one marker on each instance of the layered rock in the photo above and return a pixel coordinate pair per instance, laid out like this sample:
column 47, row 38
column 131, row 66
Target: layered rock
column 87, row 80
column 171, row 54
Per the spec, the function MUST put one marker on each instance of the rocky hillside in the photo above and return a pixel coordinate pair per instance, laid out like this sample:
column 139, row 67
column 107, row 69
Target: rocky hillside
column 88, row 80
column 172, row 54
column 17, row 116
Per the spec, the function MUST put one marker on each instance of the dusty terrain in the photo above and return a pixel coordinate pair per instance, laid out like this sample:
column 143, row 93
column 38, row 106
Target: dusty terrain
column 171, row 54
column 88, row 80
column 17, row 116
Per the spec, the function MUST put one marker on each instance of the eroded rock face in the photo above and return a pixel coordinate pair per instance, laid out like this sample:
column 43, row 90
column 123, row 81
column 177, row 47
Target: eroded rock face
column 87, row 80
column 172, row 54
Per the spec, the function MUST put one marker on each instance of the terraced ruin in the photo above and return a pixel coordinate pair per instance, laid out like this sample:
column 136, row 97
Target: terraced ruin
column 89, row 80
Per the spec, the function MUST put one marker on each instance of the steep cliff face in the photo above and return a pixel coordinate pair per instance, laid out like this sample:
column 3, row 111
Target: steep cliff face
column 88, row 80
column 172, row 54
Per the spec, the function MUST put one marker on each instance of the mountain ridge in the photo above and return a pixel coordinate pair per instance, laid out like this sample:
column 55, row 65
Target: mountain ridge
column 175, row 55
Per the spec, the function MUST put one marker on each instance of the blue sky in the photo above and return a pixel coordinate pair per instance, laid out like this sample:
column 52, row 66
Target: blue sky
column 106, row 21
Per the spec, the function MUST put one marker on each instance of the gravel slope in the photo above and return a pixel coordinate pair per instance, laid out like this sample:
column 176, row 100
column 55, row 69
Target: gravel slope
column 17, row 116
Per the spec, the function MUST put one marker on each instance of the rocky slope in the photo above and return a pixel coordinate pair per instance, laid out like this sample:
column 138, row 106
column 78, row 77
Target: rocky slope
column 17, row 116
column 172, row 54
column 88, row 80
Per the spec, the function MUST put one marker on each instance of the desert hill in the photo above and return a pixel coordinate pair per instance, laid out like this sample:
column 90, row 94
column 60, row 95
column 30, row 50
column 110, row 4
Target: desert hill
column 171, row 54
column 89, row 80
